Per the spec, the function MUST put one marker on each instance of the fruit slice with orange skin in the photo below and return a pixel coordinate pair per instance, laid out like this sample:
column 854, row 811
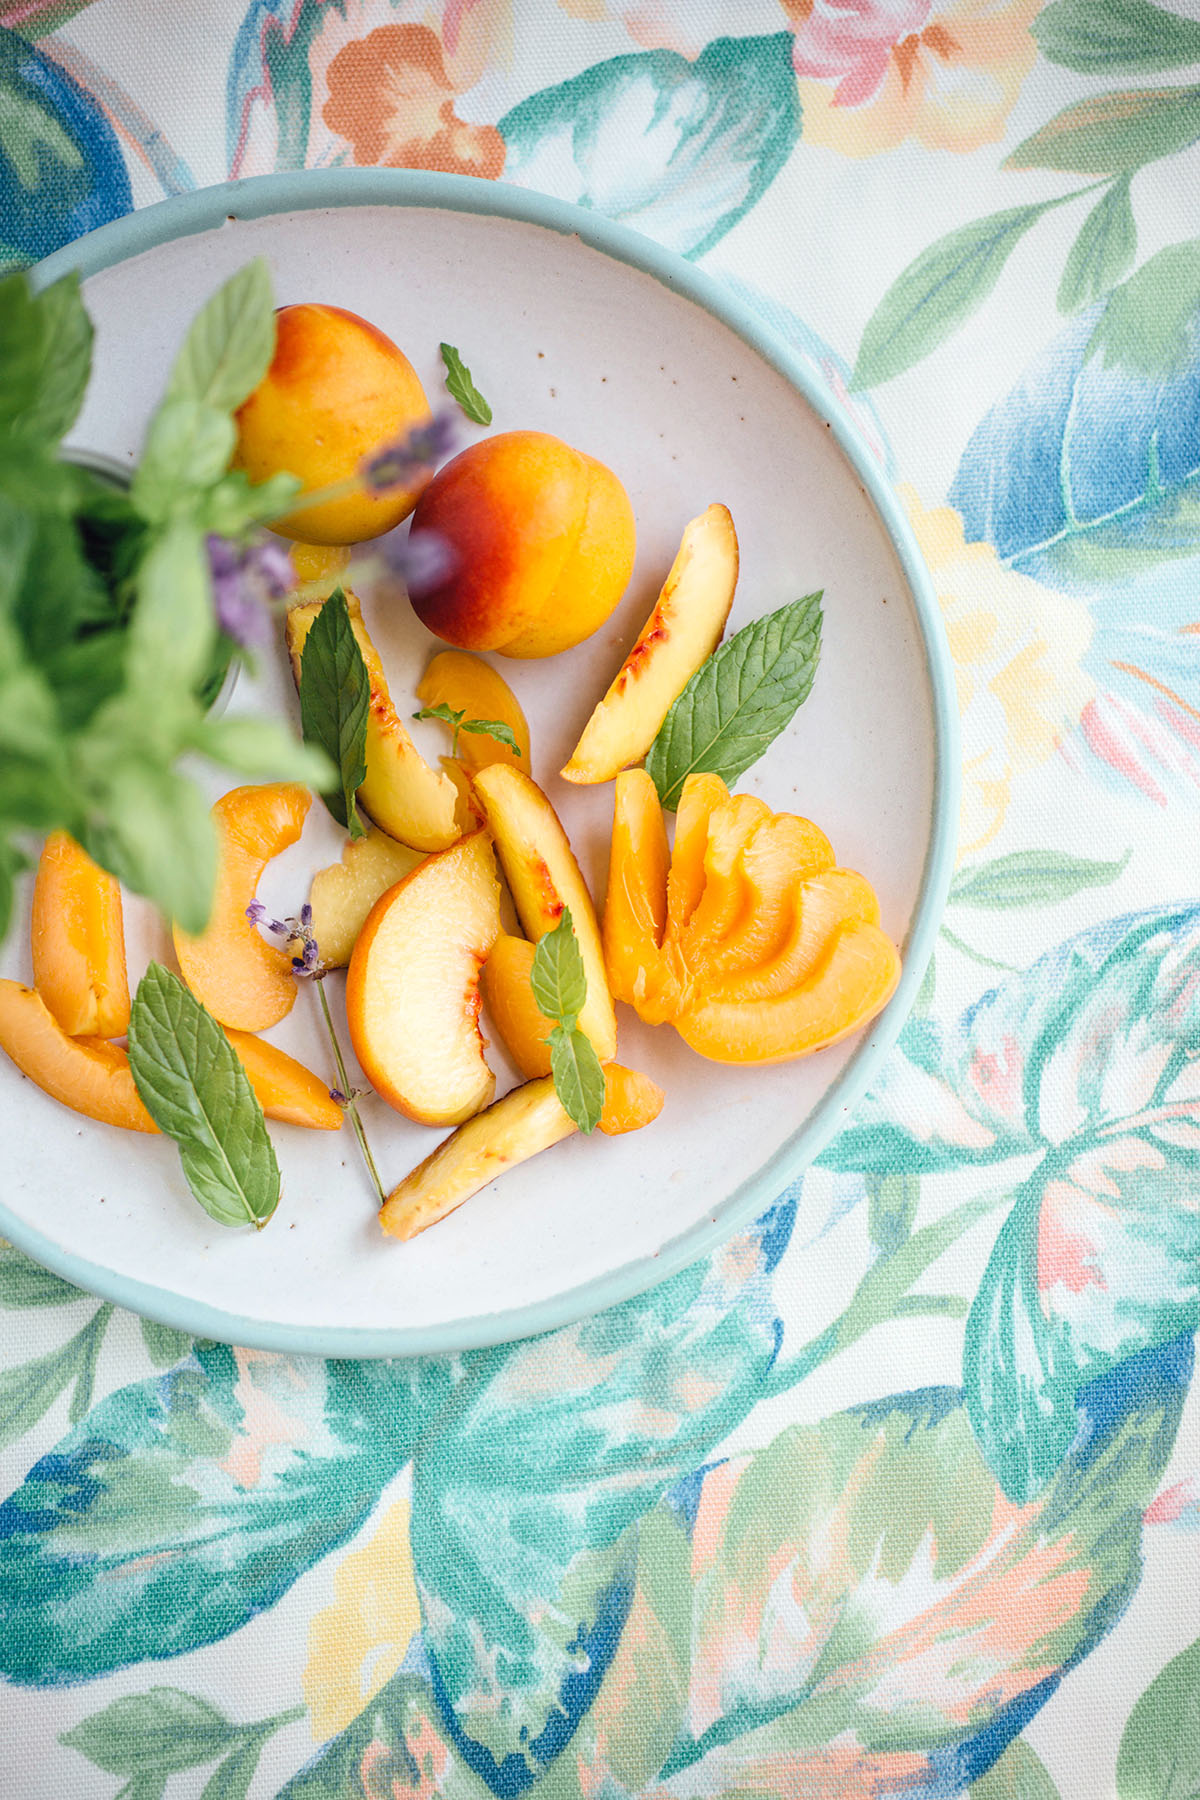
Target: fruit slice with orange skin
column 700, row 797
column 526, row 1121
column 88, row 1074
column 857, row 977
column 78, row 941
column 412, row 992
column 404, row 796
column 342, row 895
column 544, row 878
column 467, row 684
column 631, row 1100
column 511, row 1007
column 286, row 1090
column 244, row 981
column 682, row 631
column 635, row 907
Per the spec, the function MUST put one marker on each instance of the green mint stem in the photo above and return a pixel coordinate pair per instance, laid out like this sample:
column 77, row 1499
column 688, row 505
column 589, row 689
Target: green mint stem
column 351, row 1103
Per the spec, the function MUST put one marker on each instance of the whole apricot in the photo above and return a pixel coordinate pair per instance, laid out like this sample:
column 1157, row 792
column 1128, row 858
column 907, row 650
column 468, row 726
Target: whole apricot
column 337, row 390
column 541, row 541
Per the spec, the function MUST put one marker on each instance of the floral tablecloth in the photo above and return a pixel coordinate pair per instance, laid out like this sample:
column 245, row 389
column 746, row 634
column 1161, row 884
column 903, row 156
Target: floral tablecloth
column 899, row 1494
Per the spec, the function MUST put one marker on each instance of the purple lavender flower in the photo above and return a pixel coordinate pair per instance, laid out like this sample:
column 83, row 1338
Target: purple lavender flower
column 294, row 934
column 403, row 462
column 245, row 577
column 422, row 559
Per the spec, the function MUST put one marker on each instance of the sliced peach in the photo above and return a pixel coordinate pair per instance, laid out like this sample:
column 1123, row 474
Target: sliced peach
column 511, row 1007
column 412, row 993
column 682, row 631
column 544, row 878
column 700, row 796
column 343, row 894
column 78, row 941
column 631, row 1100
column 467, row 684
column 856, row 978
column 286, row 1090
column 88, row 1074
column 635, row 907
column 526, row 1121
column 243, row 980
column 404, row 796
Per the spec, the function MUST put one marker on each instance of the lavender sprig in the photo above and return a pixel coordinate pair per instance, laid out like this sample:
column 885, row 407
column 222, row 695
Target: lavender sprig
column 246, row 577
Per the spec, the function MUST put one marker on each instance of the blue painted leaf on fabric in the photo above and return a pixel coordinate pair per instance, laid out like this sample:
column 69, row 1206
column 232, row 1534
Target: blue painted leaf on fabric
column 269, row 71
column 1086, row 473
column 680, row 150
column 1100, row 1256
column 526, row 1500
column 182, row 1506
column 61, row 168
column 873, row 1616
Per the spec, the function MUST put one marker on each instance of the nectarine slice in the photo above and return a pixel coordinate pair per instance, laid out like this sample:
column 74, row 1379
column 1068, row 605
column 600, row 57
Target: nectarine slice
column 343, row 894
column 467, row 684
column 88, row 1074
column 856, row 978
column 544, row 878
column 682, row 631
column 286, row 1090
column 511, row 1007
column 244, row 981
column 78, row 941
column 526, row 1121
column 404, row 796
column 412, row 993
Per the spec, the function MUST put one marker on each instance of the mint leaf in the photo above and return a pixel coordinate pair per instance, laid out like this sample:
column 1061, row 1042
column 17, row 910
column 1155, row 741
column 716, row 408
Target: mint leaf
column 459, row 722
column 335, row 697
column 558, row 977
column 188, row 447
column 150, row 826
column 738, row 702
column 22, row 349
column 229, row 346
column 172, row 632
column 67, row 359
column 262, row 749
column 578, row 1076
column 460, row 387
column 196, row 1091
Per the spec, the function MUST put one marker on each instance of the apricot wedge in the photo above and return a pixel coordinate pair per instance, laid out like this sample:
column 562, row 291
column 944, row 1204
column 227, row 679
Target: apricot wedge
column 635, row 907
column 467, row 684
column 682, row 632
column 286, row 1090
column 526, row 1121
column 405, row 797
column 78, row 941
column 515, row 1014
column 544, row 878
column 343, row 894
column 88, row 1074
column 857, row 978
column 244, row 981
column 412, row 992
column 698, row 800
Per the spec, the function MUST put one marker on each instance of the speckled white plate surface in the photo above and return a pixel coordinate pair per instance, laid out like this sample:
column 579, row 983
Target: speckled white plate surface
column 576, row 327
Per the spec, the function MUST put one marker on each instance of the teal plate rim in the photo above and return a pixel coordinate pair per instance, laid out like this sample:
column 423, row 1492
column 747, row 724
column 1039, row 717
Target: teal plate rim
column 322, row 189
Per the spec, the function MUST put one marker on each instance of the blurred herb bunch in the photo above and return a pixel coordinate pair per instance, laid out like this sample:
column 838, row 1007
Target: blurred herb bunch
column 122, row 609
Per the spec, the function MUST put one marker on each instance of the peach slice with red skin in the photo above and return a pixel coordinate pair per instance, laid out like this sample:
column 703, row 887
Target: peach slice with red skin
column 78, row 941
column 244, row 981
column 467, row 684
column 525, row 1122
column 412, row 992
column 682, row 632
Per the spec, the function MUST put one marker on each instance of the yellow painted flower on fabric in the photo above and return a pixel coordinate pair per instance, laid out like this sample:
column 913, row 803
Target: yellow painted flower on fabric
column 1017, row 649
column 356, row 1645
column 874, row 72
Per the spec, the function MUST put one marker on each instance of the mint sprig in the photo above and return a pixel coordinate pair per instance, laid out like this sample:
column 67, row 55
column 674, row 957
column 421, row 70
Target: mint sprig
column 458, row 722
column 738, row 702
column 460, row 387
column 335, row 699
column 559, row 983
column 197, row 1092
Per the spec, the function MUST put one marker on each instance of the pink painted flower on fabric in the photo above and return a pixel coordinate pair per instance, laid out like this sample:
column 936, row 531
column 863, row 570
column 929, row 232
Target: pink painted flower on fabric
column 874, row 72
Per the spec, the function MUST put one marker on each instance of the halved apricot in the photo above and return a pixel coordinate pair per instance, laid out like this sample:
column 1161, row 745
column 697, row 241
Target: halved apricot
column 230, row 967
column 286, row 1090
column 88, row 1074
column 78, row 941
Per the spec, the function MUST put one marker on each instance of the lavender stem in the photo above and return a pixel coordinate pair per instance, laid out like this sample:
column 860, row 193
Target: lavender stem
column 351, row 1103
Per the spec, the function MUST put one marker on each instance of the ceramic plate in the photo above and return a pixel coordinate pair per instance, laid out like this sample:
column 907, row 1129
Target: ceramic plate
column 577, row 327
